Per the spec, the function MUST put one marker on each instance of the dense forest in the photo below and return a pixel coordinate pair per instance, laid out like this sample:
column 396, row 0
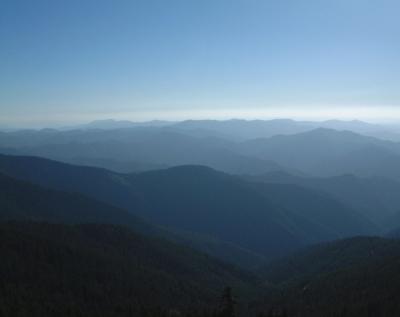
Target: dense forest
column 209, row 158
column 351, row 277
column 104, row 270
column 191, row 240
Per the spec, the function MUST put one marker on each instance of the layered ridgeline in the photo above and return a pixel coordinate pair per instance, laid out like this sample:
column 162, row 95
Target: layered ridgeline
column 135, row 149
column 201, row 201
column 252, row 129
column 326, row 152
column 351, row 277
column 23, row 201
column 304, row 151
column 67, row 254
column 105, row 270
column 377, row 198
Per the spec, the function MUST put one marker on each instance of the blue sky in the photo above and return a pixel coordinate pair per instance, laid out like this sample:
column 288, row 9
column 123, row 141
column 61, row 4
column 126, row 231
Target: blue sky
column 70, row 60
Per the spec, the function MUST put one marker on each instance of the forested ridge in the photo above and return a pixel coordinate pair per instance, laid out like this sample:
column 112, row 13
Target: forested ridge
column 104, row 270
column 209, row 158
column 194, row 241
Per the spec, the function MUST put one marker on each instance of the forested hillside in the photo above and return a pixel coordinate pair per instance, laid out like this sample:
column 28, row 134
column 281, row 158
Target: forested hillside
column 105, row 270
column 352, row 277
column 202, row 201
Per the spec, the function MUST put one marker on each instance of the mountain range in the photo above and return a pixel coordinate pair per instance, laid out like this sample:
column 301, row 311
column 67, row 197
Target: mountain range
column 268, row 218
column 206, row 202
column 315, row 152
column 239, row 129
column 377, row 198
column 326, row 152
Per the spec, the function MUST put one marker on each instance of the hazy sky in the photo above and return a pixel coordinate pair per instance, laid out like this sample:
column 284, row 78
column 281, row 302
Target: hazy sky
column 77, row 60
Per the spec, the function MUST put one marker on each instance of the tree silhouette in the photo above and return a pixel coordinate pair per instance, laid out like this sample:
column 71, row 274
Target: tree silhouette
column 227, row 303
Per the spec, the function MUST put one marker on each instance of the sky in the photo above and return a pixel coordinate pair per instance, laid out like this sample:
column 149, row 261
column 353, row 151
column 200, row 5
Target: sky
column 64, row 61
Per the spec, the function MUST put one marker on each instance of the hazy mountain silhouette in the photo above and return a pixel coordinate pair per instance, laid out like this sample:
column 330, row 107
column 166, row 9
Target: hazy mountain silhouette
column 319, row 152
column 20, row 200
column 320, row 208
column 200, row 197
column 268, row 211
column 251, row 129
column 116, row 165
column 239, row 129
column 375, row 197
column 325, row 152
column 110, row 124
column 203, row 201
column 150, row 147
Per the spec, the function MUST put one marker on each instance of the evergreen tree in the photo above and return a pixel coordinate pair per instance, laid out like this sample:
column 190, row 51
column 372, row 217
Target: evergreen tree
column 227, row 303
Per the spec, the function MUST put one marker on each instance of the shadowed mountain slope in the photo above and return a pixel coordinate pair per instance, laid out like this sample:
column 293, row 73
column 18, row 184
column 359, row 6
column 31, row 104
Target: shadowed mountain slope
column 24, row 201
column 202, row 201
column 351, row 277
column 104, row 270
column 375, row 197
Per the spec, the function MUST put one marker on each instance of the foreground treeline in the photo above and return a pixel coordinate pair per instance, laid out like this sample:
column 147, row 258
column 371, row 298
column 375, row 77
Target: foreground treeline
column 351, row 277
column 104, row 270
column 65, row 250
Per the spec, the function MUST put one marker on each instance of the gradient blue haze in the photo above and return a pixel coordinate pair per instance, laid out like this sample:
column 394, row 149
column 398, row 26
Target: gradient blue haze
column 91, row 57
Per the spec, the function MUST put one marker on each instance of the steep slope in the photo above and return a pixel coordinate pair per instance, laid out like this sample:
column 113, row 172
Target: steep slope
column 118, row 190
column 328, row 257
column 333, row 217
column 94, row 182
column 376, row 198
column 325, row 152
column 200, row 201
column 24, row 201
column 103, row 270
column 20, row 200
column 352, row 277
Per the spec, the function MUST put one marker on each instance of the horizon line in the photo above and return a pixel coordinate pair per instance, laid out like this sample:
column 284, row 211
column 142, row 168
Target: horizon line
column 373, row 115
